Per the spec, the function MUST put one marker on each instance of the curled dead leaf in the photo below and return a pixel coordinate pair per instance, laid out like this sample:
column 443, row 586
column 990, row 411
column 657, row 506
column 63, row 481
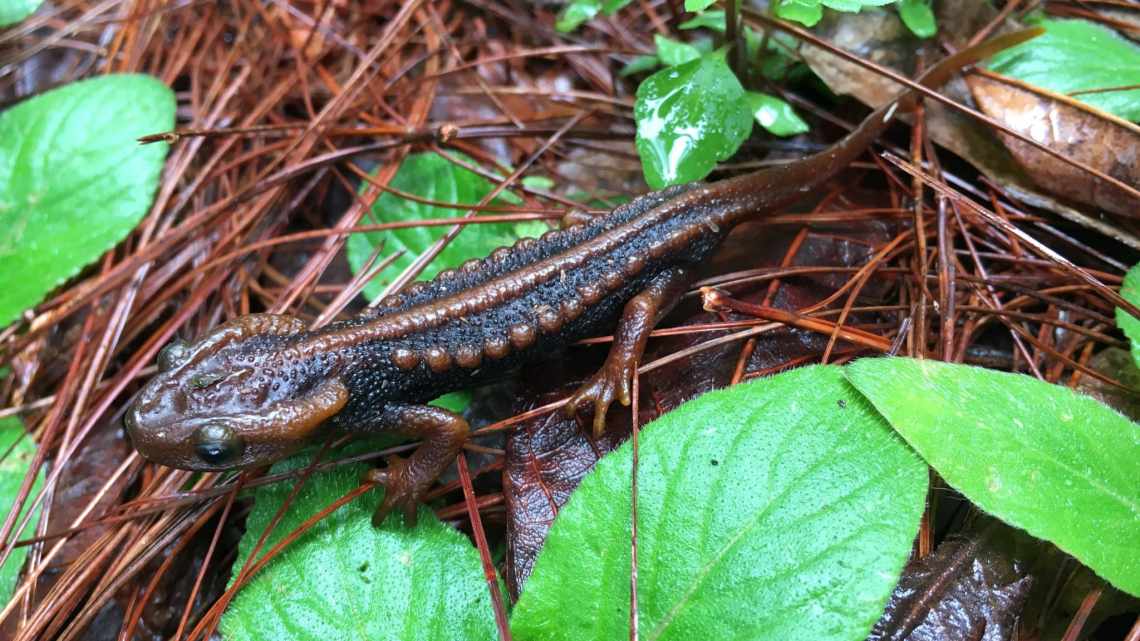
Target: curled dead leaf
column 1078, row 131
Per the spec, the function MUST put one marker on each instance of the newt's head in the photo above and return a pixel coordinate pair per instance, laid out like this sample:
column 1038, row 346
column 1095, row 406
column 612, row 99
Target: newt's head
column 238, row 397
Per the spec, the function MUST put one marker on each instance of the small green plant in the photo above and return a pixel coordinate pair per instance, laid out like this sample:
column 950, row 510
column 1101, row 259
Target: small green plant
column 431, row 177
column 695, row 112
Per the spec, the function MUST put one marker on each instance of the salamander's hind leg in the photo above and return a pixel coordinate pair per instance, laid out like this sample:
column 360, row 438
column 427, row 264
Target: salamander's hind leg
column 640, row 316
column 406, row 481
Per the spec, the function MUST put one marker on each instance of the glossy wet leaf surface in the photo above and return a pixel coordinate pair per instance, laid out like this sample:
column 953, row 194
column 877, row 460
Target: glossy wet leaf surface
column 433, row 177
column 689, row 117
column 1059, row 465
column 74, row 181
column 775, row 115
column 1129, row 324
column 781, row 508
column 18, row 449
column 346, row 580
column 967, row 589
column 1076, row 55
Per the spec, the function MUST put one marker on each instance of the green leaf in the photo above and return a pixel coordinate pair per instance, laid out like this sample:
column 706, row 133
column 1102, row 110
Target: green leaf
column 918, row 16
column 713, row 20
column 809, row 12
column 579, row 11
column 806, row 12
column 430, row 176
column 13, row 11
column 345, row 579
column 673, row 52
column 73, row 179
column 639, row 64
column 576, row 13
column 17, row 449
column 455, row 401
column 1129, row 324
column 689, row 117
column 1055, row 463
column 1076, row 55
column 697, row 6
column 782, row 508
column 775, row 115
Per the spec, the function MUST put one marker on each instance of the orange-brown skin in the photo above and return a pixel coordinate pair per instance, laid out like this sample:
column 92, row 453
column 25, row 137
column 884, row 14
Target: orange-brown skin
column 259, row 387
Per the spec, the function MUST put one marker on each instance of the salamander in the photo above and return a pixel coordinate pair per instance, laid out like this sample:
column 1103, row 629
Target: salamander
column 258, row 387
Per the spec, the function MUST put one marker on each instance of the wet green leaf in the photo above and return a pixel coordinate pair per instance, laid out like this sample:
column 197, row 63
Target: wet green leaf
column 1129, row 324
column 783, row 508
column 13, row 11
column 697, row 6
column 1076, row 55
column 1038, row 456
column 17, row 449
column 433, row 177
column 918, row 16
column 809, row 12
column 346, row 580
column 674, row 52
column 775, row 115
column 73, row 179
column 689, row 117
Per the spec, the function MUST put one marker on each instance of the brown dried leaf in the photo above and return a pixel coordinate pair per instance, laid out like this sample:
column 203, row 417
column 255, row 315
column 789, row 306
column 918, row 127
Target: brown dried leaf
column 546, row 458
column 1078, row 131
column 84, row 476
column 965, row 590
column 880, row 37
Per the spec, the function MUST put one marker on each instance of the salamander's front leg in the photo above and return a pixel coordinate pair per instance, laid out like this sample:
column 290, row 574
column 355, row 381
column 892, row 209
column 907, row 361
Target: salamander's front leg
column 407, row 480
column 640, row 316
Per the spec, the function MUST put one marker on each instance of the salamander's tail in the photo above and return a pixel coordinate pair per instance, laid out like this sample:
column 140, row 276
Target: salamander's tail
column 763, row 191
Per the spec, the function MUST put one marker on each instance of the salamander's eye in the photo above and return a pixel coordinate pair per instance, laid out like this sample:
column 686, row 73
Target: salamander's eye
column 202, row 381
column 217, row 444
column 173, row 355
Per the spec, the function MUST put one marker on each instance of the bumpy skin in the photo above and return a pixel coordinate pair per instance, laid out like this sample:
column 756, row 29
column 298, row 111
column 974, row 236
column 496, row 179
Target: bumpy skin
column 261, row 386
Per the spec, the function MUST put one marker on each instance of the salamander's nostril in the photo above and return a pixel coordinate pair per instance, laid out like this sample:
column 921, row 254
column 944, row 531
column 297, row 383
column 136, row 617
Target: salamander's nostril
column 130, row 420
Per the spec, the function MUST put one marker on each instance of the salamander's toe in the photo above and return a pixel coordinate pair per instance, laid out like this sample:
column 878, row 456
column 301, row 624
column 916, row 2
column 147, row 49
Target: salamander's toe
column 603, row 388
column 400, row 491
